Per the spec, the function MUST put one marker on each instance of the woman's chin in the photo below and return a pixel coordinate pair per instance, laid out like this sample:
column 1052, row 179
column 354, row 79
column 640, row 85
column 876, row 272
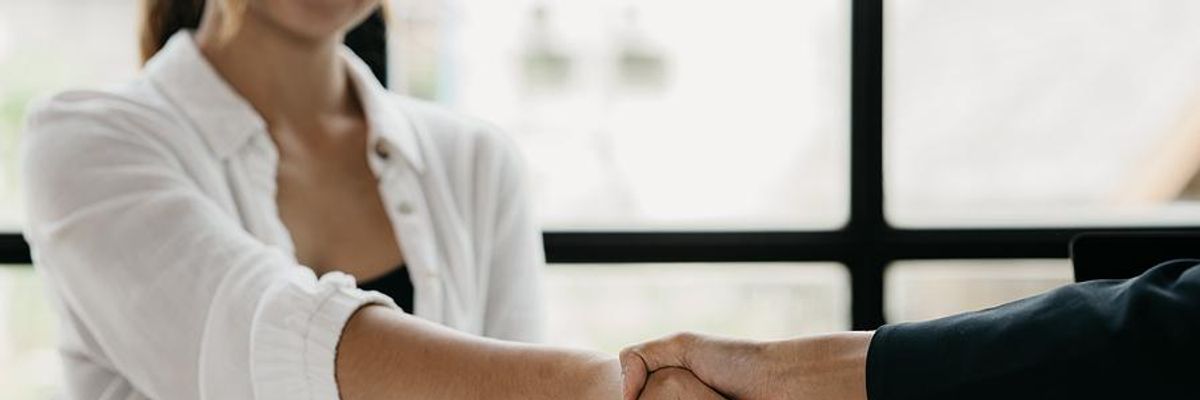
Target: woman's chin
column 318, row 19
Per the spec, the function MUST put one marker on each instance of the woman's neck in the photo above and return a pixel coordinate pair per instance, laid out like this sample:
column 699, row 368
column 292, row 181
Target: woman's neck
column 286, row 78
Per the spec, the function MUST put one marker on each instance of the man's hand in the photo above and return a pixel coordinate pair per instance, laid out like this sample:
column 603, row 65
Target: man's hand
column 727, row 365
column 821, row 367
column 676, row 384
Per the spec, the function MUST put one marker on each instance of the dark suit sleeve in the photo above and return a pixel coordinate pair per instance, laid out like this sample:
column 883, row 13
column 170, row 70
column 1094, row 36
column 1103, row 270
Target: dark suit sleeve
column 1138, row 338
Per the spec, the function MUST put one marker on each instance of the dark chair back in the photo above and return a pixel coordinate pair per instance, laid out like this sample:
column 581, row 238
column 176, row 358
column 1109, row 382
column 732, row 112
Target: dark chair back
column 368, row 40
column 1104, row 255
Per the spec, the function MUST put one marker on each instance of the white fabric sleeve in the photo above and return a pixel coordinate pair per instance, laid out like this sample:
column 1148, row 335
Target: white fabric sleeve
column 294, row 356
column 178, row 297
column 516, row 295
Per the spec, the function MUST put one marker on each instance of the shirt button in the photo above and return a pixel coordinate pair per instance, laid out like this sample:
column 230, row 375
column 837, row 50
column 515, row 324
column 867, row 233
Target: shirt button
column 381, row 149
column 404, row 208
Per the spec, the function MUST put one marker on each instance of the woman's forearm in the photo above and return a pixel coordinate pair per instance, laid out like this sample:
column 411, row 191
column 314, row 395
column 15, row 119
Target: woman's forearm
column 385, row 354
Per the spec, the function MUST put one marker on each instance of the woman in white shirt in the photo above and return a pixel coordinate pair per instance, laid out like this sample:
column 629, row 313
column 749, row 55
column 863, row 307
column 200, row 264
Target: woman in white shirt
column 182, row 221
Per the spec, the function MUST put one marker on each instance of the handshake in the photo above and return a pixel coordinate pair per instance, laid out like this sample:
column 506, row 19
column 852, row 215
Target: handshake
column 699, row 367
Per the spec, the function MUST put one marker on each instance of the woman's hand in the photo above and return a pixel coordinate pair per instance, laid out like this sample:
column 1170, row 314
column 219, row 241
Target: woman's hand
column 821, row 367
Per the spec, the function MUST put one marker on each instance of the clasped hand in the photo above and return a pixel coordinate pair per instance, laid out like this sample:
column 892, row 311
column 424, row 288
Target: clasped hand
column 700, row 367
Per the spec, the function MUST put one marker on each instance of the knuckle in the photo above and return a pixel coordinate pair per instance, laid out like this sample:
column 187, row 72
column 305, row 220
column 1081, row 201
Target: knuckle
column 682, row 338
column 631, row 357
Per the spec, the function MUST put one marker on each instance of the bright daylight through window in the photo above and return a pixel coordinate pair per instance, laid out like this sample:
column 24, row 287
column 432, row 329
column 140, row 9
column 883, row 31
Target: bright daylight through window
column 1046, row 113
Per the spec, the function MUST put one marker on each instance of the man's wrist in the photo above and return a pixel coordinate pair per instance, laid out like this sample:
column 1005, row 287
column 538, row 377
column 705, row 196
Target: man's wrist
column 597, row 377
column 848, row 362
column 827, row 366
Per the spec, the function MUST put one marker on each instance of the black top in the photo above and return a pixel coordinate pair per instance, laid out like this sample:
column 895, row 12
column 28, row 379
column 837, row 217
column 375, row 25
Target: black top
column 396, row 284
column 1109, row 339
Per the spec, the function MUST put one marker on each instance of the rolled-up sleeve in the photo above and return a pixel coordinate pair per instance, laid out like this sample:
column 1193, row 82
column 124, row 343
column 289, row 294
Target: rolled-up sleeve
column 177, row 297
column 296, row 332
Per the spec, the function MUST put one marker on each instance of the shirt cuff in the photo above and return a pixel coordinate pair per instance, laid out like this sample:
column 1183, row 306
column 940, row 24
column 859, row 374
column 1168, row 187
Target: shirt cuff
column 296, row 332
column 877, row 363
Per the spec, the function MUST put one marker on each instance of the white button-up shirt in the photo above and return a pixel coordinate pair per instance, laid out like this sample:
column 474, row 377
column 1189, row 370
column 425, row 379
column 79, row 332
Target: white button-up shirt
column 152, row 217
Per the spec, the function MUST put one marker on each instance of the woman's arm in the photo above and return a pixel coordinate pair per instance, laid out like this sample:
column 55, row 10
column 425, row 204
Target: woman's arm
column 384, row 353
column 166, row 288
column 183, row 303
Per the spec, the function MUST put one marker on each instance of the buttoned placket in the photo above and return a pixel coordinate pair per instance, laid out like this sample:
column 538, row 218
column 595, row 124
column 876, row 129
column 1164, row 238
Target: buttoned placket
column 254, row 166
column 400, row 189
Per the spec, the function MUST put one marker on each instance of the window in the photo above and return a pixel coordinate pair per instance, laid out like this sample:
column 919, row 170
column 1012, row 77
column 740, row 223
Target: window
column 728, row 156
column 634, row 115
column 606, row 307
column 1047, row 113
column 922, row 290
column 29, row 361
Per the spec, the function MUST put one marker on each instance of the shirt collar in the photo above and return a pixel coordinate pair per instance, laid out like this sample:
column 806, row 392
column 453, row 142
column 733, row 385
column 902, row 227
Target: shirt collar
column 227, row 121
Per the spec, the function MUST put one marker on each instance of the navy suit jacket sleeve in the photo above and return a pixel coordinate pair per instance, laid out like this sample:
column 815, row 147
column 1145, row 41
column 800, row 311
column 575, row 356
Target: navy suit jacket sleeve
column 1137, row 338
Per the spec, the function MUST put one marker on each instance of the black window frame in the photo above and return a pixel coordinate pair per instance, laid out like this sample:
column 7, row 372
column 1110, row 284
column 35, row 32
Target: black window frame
column 866, row 245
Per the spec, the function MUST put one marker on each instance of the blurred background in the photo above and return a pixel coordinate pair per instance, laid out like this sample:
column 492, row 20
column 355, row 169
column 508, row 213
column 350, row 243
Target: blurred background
column 707, row 116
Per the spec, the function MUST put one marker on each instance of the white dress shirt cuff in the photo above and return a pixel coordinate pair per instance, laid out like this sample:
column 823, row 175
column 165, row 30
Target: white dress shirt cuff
column 296, row 334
